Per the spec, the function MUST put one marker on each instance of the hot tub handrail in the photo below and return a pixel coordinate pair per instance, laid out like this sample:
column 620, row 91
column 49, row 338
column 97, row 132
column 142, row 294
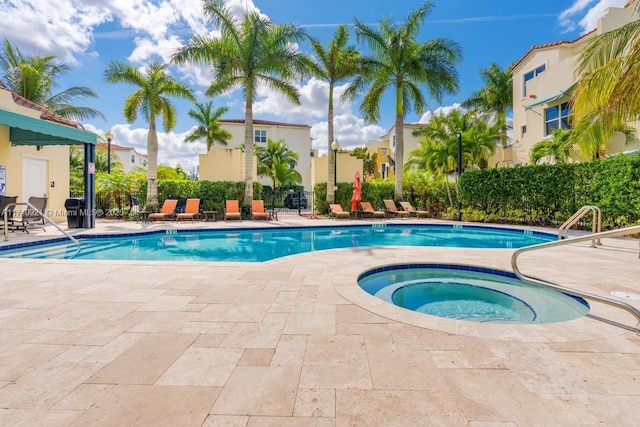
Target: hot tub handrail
column 609, row 301
column 45, row 217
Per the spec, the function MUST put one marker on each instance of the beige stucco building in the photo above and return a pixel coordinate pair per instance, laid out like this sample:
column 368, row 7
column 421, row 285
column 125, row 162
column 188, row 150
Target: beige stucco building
column 542, row 83
column 34, row 152
column 227, row 162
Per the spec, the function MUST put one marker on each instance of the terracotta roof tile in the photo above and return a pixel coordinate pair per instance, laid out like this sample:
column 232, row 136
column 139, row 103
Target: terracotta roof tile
column 551, row 44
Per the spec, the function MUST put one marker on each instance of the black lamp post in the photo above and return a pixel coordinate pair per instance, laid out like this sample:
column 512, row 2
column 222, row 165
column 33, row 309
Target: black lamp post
column 109, row 136
column 335, row 147
column 459, row 173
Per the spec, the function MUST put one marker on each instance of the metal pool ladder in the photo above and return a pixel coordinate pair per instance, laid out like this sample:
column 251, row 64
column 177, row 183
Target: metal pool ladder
column 609, row 301
column 596, row 222
column 46, row 218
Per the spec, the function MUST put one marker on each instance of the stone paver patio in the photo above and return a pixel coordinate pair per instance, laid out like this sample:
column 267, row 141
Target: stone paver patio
column 295, row 342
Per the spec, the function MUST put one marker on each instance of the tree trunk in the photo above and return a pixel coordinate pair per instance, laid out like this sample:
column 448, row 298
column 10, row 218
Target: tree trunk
column 152, row 166
column 331, row 155
column 399, row 158
column 248, row 150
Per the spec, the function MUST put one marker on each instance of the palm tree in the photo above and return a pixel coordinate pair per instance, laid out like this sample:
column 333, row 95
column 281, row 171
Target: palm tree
column 399, row 61
column 35, row 78
column 495, row 96
column 558, row 148
column 436, row 157
column 248, row 52
column 273, row 159
column 335, row 64
column 208, row 125
column 151, row 99
column 593, row 134
column 609, row 70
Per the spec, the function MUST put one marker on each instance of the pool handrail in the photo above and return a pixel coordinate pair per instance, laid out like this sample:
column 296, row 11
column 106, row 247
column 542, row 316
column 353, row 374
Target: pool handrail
column 45, row 217
column 596, row 223
column 609, row 301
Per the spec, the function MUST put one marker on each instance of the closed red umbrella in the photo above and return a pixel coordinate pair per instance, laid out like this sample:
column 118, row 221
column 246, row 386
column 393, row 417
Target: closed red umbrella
column 357, row 192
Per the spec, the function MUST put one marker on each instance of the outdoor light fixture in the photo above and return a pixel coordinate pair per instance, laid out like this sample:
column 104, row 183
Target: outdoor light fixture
column 335, row 147
column 109, row 136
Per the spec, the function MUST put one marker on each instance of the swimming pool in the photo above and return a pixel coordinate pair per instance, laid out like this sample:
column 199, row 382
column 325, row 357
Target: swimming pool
column 263, row 244
column 464, row 292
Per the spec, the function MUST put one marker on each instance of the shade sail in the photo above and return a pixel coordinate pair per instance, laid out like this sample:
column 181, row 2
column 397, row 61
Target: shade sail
column 548, row 97
column 26, row 130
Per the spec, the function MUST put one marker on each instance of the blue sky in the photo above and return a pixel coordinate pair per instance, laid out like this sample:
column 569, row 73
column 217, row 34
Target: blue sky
column 136, row 31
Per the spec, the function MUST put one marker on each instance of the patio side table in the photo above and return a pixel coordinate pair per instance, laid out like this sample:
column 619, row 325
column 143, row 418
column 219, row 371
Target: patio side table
column 209, row 214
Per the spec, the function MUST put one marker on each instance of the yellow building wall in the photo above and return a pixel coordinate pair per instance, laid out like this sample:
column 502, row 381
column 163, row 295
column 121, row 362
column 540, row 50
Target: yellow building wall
column 346, row 168
column 56, row 158
column 224, row 164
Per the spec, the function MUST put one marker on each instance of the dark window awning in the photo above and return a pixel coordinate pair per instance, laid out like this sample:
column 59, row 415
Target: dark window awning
column 548, row 97
column 25, row 130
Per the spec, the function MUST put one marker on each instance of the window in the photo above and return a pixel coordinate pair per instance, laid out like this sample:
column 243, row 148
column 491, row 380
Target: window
column 523, row 130
column 394, row 141
column 133, row 158
column 260, row 136
column 528, row 76
column 557, row 117
column 383, row 151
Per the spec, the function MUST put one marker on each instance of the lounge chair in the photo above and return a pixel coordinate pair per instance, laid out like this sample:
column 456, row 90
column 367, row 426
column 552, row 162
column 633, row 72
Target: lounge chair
column 337, row 212
column 390, row 207
column 409, row 208
column 167, row 211
column 257, row 210
column 30, row 218
column 368, row 211
column 232, row 210
column 191, row 210
column 5, row 201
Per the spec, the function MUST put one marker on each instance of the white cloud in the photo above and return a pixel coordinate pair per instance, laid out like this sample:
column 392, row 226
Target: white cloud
column 349, row 130
column 575, row 15
column 438, row 111
column 172, row 150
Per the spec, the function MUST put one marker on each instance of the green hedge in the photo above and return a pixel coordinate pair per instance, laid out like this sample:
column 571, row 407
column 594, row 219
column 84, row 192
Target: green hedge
column 550, row 194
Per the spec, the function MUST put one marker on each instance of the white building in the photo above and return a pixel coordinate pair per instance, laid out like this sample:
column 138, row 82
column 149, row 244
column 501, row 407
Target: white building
column 128, row 156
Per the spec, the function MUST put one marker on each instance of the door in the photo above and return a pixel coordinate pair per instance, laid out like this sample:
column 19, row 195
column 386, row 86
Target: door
column 34, row 178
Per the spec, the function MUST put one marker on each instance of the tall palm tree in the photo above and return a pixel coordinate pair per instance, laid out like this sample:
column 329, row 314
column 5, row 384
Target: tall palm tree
column 155, row 87
column 495, row 96
column 558, row 148
column 609, row 70
column 36, row 77
column 248, row 52
column 336, row 63
column 399, row 61
column 208, row 125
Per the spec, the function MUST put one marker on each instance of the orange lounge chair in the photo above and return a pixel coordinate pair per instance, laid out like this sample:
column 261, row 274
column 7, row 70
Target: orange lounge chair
column 257, row 210
column 191, row 210
column 232, row 210
column 168, row 209
column 409, row 208
column 390, row 207
column 337, row 212
column 368, row 210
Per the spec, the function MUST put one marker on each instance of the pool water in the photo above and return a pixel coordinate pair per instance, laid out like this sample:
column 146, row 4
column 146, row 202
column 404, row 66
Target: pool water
column 470, row 293
column 263, row 244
